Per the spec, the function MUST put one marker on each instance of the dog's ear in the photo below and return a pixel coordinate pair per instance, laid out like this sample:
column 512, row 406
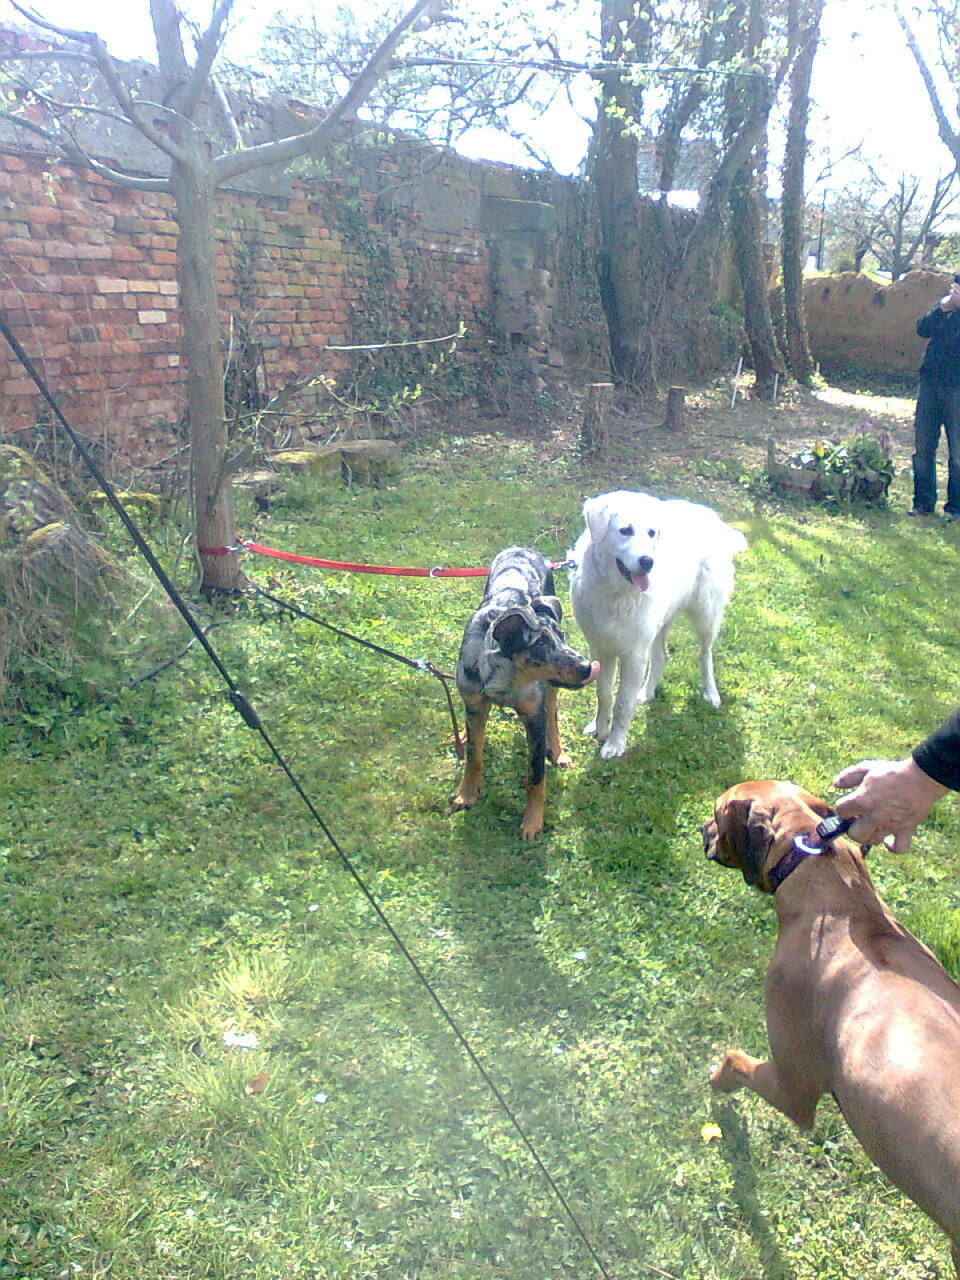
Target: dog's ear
column 549, row 605
column 710, row 835
column 759, row 840
column 514, row 629
column 597, row 515
column 745, row 834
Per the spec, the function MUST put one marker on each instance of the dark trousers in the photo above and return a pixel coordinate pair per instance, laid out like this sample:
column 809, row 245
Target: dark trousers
column 937, row 407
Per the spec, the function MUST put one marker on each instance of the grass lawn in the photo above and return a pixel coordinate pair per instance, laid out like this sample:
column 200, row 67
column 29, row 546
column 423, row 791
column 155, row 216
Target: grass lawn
column 165, row 894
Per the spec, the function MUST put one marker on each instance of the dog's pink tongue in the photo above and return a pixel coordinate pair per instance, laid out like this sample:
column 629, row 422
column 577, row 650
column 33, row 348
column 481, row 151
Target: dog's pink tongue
column 640, row 580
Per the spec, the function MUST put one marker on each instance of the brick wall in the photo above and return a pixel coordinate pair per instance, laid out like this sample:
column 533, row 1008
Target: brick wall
column 405, row 242
column 88, row 285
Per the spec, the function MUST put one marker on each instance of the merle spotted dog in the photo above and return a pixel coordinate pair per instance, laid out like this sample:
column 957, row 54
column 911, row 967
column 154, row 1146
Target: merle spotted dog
column 514, row 654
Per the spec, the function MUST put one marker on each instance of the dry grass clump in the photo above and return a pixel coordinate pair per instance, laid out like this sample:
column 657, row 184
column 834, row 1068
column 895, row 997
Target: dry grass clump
column 54, row 575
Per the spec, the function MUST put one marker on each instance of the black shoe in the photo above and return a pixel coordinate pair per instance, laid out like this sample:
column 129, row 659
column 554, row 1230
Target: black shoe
column 918, row 512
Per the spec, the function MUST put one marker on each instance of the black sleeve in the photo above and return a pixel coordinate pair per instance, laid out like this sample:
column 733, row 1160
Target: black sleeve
column 930, row 322
column 939, row 755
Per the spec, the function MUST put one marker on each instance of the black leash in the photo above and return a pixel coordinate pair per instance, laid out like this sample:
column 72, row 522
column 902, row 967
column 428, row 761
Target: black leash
column 418, row 664
column 247, row 712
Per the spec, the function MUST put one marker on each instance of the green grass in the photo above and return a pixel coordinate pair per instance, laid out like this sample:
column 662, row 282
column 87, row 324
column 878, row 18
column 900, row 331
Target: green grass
column 163, row 885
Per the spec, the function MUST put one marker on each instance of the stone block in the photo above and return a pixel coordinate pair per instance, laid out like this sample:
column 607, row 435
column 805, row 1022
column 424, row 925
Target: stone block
column 501, row 214
column 358, row 461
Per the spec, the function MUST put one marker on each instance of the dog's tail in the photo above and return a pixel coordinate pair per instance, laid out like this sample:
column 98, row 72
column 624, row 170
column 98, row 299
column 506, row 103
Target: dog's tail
column 736, row 541
column 722, row 540
column 724, row 544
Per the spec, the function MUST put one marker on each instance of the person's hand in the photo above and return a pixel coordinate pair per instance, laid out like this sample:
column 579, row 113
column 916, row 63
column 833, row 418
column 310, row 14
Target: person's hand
column 951, row 301
column 891, row 798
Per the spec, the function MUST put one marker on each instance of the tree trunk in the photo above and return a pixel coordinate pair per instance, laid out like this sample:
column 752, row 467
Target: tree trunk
column 211, row 489
column 625, row 32
column 749, row 239
column 197, row 164
column 792, row 200
column 745, row 132
column 745, row 32
column 621, row 275
column 676, row 399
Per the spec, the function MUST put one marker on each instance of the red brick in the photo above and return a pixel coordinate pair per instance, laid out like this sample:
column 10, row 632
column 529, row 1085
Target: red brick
column 93, row 252
column 126, row 253
column 16, row 387
column 43, row 215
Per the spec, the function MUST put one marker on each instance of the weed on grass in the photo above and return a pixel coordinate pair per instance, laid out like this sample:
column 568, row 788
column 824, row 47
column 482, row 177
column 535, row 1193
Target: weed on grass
column 217, row 1064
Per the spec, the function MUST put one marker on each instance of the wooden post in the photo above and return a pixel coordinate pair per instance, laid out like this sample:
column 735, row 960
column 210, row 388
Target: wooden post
column 593, row 431
column 675, row 404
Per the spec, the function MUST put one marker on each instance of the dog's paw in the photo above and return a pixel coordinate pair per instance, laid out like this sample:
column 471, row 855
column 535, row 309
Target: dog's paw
column 561, row 760
column 726, row 1075
column 531, row 826
column 716, row 1077
column 712, row 697
column 590, row 729
column 460, row 801
column 613, row 748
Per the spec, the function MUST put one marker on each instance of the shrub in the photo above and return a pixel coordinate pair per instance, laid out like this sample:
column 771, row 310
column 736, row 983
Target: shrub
column 856, row 470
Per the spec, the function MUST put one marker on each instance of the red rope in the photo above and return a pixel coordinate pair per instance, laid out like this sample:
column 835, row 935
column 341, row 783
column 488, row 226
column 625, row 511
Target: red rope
column 343, row 564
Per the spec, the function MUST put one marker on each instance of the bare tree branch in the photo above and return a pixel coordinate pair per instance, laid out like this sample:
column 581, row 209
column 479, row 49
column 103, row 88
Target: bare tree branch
column 131, row 181
column 184, row 96
column 229, row 119
column 107, row 67
column 47, row 55
column 564, row 67
column 70, row 152
column 948, row 134
column 278, row 152
column 83, row 37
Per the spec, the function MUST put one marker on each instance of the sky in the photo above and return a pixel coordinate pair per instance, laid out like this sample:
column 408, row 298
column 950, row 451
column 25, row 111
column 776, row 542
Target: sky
column 865, row 82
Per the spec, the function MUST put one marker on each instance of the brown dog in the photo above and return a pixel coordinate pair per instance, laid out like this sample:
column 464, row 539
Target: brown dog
column 856, row 1006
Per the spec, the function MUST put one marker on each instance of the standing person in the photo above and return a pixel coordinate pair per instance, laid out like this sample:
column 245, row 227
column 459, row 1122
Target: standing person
column 892, row 797
column 938, row 405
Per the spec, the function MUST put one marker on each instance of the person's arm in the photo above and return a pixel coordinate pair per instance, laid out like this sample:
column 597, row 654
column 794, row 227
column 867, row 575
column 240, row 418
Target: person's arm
column 929, row 323
column 939, row 755
column 891, row 799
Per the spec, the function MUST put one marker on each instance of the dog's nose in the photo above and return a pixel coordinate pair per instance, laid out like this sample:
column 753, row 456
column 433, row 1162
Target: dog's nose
column 587, row 671
column 644, row 564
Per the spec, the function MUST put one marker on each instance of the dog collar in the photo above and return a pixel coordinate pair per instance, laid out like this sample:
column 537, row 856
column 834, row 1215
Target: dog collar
column 799, row 851
column 803, row 847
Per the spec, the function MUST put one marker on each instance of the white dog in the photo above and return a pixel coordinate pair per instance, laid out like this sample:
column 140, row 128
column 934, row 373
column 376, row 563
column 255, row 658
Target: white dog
column 639, row 562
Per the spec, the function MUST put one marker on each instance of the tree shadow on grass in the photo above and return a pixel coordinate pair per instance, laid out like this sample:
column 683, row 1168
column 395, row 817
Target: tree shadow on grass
column 882, row 594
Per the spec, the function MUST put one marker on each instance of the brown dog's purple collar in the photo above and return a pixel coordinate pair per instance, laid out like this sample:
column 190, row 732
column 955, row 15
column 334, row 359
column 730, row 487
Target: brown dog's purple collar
column 798, row 852
column 826, row 832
